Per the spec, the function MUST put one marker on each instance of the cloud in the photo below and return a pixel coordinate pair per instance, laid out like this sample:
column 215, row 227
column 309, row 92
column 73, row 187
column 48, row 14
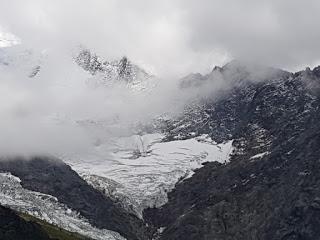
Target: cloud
column 146, row 31
column 57, row 112
column 278, row 33
column 173, row 37
column 170, row 37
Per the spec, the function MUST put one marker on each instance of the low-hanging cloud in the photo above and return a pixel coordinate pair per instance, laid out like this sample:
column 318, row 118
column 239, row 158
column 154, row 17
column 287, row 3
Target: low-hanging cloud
column 59, row 112
column 170, row 38
column 278, row 33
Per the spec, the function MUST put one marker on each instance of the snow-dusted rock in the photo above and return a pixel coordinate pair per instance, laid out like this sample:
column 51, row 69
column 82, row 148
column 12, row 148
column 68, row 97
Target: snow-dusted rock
column 47, row 208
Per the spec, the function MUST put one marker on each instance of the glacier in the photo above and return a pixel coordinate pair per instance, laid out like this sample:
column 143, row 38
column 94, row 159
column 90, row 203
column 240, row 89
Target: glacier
column 139, row 170
column 47, row 208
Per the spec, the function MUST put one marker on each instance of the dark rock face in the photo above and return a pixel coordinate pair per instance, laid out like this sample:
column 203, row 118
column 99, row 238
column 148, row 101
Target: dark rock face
column 53, row 177
column 271, row 187
column 13, row 227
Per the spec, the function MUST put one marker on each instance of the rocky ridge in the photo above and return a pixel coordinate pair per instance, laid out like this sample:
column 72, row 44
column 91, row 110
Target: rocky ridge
column 270, row 189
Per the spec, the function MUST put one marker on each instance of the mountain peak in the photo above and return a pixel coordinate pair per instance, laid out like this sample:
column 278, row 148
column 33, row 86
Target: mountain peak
column 236, row 72
column 217, row 68
column 316, row 71
column 122, row 71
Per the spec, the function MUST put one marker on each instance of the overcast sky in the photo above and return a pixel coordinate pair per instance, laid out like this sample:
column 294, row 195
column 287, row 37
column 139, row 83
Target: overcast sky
column 173, row 37
column 170, row 38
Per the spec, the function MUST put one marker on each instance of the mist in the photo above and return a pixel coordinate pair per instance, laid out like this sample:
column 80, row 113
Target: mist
column 58, row 111
column 169, row 39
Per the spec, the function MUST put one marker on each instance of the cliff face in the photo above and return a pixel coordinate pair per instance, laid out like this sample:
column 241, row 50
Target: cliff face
column 270, row 189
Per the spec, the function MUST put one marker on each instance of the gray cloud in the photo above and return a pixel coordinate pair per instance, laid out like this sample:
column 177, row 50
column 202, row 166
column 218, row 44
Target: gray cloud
column 280, row 33
column 58, row 112
column 174, row 37
column 170, row 37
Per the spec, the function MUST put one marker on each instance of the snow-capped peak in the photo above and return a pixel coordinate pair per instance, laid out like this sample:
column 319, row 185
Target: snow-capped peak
column 117, row 71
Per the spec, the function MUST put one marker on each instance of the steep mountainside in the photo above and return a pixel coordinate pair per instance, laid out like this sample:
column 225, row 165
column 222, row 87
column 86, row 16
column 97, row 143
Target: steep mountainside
column 52, row 176
column 270, row 189
column 13, row 227
column 17, row 226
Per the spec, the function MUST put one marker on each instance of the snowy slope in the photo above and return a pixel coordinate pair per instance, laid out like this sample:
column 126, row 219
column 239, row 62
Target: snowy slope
column 139, row 170
column 47, row 208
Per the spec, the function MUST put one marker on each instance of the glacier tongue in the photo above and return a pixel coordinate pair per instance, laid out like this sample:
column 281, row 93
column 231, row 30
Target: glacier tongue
column 138, row 171
column 47, row 208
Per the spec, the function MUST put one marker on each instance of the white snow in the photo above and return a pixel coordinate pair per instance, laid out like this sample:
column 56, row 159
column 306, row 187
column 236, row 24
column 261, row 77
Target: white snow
column 259, row 155
column 47, row 208
column 140, row 170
